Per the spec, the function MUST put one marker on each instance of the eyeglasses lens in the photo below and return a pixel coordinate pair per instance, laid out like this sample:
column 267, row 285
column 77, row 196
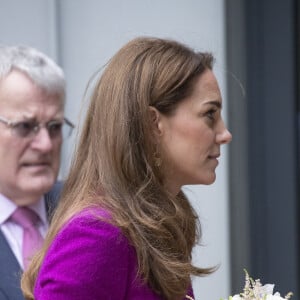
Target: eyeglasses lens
column 29, row 129
column 24, row 129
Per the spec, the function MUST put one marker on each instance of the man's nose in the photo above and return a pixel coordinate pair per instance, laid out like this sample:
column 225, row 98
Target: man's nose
column 42, row 141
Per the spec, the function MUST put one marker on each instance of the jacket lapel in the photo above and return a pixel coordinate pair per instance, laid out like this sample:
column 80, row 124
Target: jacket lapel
column 52, row 198
column 10, row 270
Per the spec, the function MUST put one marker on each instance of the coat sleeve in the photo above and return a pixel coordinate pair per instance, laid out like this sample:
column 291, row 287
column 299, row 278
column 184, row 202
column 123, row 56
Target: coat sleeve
column 190, row 293
column 89, row 259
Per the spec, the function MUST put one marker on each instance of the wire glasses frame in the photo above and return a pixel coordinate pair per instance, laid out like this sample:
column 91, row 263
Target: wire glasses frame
column 29, row 128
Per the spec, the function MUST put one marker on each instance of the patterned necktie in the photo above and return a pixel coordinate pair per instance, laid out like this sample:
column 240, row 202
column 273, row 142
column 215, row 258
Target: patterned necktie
column 32, row 239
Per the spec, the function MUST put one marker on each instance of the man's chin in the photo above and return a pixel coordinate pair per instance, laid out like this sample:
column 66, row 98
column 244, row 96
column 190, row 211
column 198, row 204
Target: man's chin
column 38, row 186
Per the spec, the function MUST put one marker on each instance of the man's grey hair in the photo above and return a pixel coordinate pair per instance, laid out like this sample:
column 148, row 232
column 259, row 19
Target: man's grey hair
column 40, row 68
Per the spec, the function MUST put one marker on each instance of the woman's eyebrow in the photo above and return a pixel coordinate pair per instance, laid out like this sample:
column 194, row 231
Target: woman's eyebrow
column 216, row 103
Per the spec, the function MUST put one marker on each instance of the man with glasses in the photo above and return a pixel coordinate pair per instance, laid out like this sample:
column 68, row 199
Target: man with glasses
column 32, row 129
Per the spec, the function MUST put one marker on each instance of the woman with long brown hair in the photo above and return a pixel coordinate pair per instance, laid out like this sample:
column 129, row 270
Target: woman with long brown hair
column 123, row 228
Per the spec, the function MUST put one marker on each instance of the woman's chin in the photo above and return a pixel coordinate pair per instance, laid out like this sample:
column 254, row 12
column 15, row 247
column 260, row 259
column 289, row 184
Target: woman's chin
column 209, row 179
column 205, row 180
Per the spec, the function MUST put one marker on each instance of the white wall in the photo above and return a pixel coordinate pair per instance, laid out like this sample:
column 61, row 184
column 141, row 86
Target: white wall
column 83, row 34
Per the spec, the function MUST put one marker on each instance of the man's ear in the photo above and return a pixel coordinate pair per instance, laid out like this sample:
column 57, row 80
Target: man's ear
column 156, row 120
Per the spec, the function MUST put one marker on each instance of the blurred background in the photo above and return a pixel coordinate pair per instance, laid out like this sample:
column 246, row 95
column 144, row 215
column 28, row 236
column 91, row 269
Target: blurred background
column 250, row 215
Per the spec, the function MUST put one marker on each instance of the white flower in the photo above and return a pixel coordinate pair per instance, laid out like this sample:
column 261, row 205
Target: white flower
column 236, row 297
column 254, row 290
column 266, row 289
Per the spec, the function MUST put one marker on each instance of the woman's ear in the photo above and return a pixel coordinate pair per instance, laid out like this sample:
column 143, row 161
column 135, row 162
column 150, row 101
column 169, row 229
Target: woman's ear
column 155, row 118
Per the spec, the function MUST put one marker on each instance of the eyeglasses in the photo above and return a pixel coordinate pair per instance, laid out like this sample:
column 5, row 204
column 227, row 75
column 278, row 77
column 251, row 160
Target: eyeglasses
column 28, row 129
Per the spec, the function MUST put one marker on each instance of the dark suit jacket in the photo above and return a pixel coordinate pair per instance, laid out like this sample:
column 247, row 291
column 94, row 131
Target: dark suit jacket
column 10, row 270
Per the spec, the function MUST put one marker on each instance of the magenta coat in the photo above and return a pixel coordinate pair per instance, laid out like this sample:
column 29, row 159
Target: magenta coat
column 92, row 260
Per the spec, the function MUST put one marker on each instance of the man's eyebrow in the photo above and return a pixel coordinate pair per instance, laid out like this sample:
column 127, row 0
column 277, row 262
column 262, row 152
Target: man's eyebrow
column 28, row 117
column 214, row 102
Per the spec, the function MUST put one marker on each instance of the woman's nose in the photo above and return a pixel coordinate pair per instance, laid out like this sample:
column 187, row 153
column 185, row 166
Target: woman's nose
column 227, row 136
column 224, row 136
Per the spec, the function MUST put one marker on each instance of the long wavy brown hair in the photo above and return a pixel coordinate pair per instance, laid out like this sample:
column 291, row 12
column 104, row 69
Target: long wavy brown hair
column 114, row 165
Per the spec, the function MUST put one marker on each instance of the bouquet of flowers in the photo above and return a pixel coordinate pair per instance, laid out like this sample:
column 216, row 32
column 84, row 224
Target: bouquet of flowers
column 254, row 290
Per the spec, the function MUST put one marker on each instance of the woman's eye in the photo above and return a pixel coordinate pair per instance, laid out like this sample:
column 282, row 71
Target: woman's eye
column 211, row 114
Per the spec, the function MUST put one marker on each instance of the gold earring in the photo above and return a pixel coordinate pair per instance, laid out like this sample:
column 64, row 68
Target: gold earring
column 157, row 159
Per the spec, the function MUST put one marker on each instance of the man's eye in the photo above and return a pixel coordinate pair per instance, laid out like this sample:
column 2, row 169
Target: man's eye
column 55, row 127
column 25, row 125
column 24, row 128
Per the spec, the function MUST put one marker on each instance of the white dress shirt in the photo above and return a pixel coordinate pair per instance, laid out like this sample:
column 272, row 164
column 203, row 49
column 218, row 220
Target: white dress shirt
column 14, row 232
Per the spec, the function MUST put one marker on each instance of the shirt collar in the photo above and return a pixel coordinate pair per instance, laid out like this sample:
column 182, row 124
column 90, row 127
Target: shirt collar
column 8, row 207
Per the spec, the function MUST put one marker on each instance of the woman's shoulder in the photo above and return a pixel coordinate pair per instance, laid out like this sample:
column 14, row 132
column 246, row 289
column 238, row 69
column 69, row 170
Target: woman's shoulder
column 87, row 250
column 89, row 236
column 90, row 222
column 90, row 215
